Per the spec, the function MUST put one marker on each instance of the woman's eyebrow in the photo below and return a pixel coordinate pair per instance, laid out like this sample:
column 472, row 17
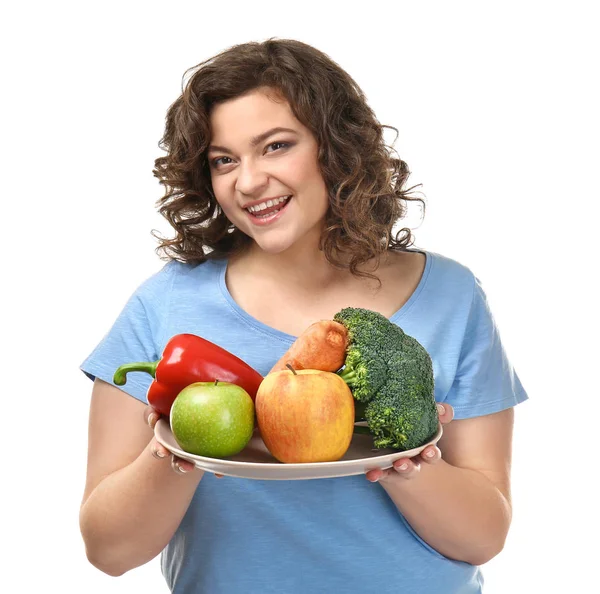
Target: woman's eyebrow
column 256, row 140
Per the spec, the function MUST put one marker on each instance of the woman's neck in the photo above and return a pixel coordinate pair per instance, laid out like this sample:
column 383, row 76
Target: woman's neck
column 303, row 267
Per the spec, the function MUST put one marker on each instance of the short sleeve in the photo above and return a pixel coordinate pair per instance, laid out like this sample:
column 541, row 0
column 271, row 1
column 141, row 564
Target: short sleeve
column 134, row 336
column 485, row 381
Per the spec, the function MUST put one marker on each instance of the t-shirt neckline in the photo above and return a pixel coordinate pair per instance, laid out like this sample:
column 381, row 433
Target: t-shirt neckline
column 280, row 335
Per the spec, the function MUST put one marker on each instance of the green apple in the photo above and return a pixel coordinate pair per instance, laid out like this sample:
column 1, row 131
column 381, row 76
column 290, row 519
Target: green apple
column 213, row 419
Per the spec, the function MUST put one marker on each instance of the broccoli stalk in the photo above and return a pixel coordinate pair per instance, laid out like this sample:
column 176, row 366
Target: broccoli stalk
column 390, row 375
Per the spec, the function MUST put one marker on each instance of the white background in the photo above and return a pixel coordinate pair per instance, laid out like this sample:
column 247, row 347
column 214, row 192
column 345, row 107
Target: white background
column 497, row 108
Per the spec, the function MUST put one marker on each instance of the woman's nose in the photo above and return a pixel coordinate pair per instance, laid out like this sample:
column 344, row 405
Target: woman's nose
column 251, row 178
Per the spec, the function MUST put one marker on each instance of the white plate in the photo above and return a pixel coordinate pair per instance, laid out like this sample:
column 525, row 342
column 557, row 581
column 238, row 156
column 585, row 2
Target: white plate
column 255, row 461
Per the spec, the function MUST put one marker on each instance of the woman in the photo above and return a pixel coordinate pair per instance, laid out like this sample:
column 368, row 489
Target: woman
column 283, row 195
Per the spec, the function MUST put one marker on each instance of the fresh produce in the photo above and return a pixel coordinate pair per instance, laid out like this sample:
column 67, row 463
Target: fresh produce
column 213, row 419
column 305, row 415
column 187, row 359
column 391, row 377
column 321, row 346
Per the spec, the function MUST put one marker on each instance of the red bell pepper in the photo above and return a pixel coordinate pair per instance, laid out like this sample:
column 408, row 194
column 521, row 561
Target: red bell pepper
column 187, row 359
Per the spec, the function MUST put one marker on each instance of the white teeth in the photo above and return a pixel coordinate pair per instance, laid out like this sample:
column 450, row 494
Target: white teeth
column 267, row 204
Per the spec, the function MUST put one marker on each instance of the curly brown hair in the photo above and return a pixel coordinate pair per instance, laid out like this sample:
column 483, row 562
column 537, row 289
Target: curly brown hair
column 366, row 183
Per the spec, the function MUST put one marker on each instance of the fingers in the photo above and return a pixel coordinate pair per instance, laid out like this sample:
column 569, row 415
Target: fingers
column 178, row 465
column 181, row 466
column 158, row 450
column 404, row 468
column 407, row 468
column 377, row 475
column 445, row 412
column 431, row 455
column 151, row 416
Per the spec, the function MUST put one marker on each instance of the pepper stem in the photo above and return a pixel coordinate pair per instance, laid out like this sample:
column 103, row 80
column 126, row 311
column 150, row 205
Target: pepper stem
column 216, row 382
column 120, row 376
column 289, row 366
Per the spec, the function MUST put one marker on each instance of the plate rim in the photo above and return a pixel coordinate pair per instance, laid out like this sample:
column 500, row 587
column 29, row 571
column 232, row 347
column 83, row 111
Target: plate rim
column 296, row 465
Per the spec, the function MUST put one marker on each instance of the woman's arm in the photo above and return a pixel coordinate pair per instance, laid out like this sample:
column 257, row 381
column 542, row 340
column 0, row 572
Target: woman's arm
column 133, row 501
column 460, row 504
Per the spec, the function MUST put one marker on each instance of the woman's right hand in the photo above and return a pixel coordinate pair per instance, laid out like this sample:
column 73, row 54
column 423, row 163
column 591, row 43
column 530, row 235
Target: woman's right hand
column 179, row 465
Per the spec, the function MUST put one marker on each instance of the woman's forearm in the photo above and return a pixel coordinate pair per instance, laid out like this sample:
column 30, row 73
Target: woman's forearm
column 459, row 512
column 131, row 515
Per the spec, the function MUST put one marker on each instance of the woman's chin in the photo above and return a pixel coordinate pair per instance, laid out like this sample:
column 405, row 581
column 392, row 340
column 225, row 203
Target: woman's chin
column 273, row 247
column 278, row 242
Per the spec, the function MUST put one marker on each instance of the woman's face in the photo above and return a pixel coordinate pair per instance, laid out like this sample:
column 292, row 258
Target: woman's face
column 265, row 173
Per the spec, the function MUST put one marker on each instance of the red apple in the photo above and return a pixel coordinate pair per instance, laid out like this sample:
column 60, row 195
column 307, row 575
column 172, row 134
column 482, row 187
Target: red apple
column 305, row 415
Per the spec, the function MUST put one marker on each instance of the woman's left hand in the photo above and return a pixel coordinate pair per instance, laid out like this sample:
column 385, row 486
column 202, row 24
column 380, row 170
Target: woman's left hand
column 408, row 468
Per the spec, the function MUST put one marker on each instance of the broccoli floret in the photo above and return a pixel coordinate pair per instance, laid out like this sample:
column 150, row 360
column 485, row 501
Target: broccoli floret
column 390, row 375
column 369, row 337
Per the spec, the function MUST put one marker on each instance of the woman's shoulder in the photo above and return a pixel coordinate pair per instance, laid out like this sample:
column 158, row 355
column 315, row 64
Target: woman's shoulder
column 450, row 268
column 177, row 276
column 439, row 275
column 176, row 270
column 434, row 266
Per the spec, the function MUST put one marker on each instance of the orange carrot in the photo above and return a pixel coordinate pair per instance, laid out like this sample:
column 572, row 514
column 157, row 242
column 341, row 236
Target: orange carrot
column 321, row 346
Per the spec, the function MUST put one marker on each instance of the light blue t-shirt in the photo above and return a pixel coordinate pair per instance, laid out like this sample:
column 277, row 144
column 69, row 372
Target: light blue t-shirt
column 320, row 535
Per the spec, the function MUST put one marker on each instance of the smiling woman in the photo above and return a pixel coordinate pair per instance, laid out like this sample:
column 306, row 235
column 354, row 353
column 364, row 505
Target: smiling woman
column 282, row 196
column 270, row 187
column 298, row 110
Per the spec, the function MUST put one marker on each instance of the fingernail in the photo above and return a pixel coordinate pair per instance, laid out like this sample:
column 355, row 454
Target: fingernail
column 402, row 466
column 152, row 418
column 181, row 469
column 441, row 409
column 158, row 454
column 430, row 453
column 375, row 480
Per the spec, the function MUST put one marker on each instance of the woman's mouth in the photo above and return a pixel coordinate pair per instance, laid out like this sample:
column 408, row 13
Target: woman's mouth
column 268, row 211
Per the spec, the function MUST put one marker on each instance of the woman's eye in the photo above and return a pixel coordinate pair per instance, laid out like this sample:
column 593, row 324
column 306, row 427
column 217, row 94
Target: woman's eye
column 276, row 146
column 220, row 161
